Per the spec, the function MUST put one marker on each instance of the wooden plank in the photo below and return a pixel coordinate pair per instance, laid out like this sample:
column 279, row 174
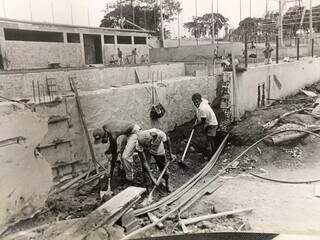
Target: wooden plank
column 153, row 219
column 107, row 214
column 83, row 121
column 210, row 216
column 137, row 76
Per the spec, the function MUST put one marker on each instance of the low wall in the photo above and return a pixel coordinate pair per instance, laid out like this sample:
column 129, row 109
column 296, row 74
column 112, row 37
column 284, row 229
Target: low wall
column 31, row 55
column 292, row 76
column 89, row 79
column 283, row 52
column 132, row 102
column 193, row 53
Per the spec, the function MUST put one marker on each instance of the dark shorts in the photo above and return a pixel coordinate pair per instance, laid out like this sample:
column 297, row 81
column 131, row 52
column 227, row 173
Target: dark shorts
column 211, row 131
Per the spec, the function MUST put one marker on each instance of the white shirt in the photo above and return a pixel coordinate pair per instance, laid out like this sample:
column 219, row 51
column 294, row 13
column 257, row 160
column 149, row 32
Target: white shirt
column 205, row 111
column 145, row 141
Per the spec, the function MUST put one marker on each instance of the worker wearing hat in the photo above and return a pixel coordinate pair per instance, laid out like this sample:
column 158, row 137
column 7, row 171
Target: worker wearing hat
column 109, row 133
column 154, row 143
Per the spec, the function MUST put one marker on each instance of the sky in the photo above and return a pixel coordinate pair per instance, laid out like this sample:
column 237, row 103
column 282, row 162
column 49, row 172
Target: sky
column 90, row 12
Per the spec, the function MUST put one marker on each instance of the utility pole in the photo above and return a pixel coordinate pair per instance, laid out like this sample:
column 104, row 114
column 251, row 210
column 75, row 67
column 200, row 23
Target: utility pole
column 266, row 7
column 240, row 10
column 179, row 36
column 250, row 9
column 311, row 26
column 4, row 8
column 52, row 11
column 280, row 24
column 197, row 30
column 161, row 31
column 217, row 6
column 212, row 21
column 30, row 8
column 88, row 12
column 71, row 13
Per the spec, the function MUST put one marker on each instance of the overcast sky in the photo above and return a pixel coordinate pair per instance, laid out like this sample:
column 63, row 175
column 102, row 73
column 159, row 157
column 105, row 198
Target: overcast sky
column 89, row 12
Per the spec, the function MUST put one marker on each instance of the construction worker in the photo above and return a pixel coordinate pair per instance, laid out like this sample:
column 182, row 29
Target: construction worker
column 110, row 132
column 154, row 143
column 206, row 118
column 267, row 54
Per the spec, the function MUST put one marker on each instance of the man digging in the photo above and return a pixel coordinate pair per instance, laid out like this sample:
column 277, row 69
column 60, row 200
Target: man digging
column 206, row 118
column 154, row 143
column 110, row 132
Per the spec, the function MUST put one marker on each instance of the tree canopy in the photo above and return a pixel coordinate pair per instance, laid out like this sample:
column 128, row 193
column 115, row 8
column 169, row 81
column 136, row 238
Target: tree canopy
column 202, row 26
column 145, row 13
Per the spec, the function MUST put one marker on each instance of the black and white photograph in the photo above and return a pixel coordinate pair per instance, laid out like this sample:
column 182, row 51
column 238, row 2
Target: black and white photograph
column 160, row 119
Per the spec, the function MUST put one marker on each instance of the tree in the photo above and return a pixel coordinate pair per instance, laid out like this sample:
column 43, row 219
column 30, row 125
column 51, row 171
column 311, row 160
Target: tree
column 146, row 13
column 202, row 26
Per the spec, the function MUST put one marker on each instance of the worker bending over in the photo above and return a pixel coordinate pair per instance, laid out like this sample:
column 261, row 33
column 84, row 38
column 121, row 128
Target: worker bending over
column 110, row 133
column 206, row 118
column 154, row 143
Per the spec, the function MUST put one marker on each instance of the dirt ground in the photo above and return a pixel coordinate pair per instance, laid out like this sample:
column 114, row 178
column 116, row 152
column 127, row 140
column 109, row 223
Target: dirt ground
column 277, row 207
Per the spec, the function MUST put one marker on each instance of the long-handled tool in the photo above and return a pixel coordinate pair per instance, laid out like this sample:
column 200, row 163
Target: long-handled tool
column 186, row 149
column 107, row 194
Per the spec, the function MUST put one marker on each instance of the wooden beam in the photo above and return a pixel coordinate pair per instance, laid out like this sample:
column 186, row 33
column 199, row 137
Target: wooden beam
column 107, row 214
column 210, row 216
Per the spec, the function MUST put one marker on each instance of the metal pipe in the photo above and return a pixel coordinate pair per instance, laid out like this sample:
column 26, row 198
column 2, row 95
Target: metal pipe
column 298, row 46
column 277, row 49
column 246, row 50
column 39, row 96
column 258, row 95
column 33, row 91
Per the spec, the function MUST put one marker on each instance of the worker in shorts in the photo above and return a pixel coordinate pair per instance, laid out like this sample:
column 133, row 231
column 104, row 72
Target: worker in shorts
column 154, row 143
column 110, row 132
column 206, row 118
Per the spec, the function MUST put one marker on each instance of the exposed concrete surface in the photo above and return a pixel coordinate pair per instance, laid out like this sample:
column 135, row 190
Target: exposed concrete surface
column 25, row 179
column 20, row 84
column 193, row 53
column 134, row 102
column 292, row 76
column 28, row 55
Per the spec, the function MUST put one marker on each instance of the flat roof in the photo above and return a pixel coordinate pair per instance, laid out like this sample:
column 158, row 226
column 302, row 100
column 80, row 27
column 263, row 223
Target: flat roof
column 58, row 25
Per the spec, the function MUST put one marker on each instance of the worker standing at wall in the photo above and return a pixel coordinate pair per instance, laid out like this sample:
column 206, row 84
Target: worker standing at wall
column 120, row 56
column 135, row 55
column 206, row 118
column 267, row 54
column 109, row 133
column 154, row 143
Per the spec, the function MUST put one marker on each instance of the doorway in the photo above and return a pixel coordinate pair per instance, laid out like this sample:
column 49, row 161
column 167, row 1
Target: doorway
column 92, row 49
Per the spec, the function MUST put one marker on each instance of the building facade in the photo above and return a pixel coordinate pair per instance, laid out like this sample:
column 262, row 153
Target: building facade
column 30, row 45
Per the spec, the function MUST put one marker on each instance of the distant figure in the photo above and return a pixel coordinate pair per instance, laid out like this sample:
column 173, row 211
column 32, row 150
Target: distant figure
column 135, row 55
column 252, row 45
column 120, row 56
column 267, row 54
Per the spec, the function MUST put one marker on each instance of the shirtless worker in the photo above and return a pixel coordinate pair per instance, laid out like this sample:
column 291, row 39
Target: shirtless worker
column 154, row 143
column 110, row 132
column 206, row 118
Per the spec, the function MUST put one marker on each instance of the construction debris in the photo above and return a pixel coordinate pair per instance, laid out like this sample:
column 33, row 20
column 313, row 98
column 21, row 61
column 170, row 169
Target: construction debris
column 210, row 216
column 105, row 215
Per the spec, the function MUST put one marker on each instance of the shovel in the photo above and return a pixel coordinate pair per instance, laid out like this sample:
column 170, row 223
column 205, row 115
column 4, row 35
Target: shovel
column 186, row 149
column 106, row 194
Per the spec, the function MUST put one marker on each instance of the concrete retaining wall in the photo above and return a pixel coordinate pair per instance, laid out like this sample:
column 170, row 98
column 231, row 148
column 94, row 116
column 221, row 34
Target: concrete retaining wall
column 89, row 79
column 193, row 53
column 132, row 102
column 293, row 76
